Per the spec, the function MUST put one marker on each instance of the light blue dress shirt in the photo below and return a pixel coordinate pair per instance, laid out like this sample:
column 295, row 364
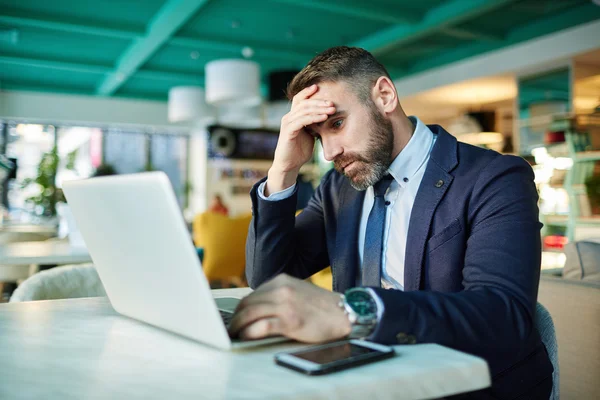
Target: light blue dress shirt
column 407, row 169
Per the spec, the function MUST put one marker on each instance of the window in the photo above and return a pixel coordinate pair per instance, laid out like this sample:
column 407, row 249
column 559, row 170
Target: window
column 169, row 154
column 81, row 150
column 26, row 143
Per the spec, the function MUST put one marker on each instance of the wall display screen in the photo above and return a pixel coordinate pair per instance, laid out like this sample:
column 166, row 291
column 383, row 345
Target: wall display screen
column 257, row 144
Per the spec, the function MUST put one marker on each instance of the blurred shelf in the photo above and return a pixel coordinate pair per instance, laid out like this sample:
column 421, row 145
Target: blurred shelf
column 544, row 119
column 558, row 149
column 594, row 220
column 581, row 156
column 579, row 189
column 552, row 251
column 558, row 220
column 554, row 271
column 556, row 186
column 578, row 147
column 562, row 220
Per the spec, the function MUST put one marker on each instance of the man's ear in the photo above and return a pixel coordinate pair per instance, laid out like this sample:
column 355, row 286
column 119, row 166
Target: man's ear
column 384, row 95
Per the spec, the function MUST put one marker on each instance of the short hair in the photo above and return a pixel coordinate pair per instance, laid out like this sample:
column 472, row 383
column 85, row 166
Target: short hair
column 352, row 65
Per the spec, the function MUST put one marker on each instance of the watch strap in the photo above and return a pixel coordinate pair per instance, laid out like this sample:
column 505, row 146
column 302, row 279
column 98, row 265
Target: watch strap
column 359, row 327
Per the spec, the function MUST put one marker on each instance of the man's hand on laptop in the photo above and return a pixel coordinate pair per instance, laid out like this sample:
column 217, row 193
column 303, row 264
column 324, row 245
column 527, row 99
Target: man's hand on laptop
column 293, row 308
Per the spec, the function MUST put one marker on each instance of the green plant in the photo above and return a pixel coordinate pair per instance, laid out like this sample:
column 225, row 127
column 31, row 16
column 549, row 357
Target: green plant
column 49, row 195
column 592, row 186
column 187, row 190
column 148, row 167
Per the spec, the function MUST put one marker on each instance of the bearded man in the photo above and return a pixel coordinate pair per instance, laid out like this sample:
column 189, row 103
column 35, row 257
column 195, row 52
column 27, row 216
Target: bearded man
column 429, row 240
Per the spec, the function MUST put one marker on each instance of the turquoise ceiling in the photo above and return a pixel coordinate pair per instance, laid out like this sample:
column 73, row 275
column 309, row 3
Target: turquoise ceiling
column 141, row 48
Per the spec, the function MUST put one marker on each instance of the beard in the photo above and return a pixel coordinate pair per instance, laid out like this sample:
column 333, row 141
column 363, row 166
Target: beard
column 372, row 165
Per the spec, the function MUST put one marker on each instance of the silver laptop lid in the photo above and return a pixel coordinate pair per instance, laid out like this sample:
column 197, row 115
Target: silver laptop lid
column 138, row 240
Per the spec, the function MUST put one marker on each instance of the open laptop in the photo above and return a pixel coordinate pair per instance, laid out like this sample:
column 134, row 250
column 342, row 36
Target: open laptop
column 135, row 233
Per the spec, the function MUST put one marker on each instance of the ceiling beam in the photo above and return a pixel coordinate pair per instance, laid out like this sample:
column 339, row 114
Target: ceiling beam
column 168, row 20
column 82, row 110
column 65, row 89
column 357, row 12
column 260, row 52
column 471, row 34
column 102, row 70
column 197, row 79
column 448, row 14
column 81, row 27
column 566, row 19
column 10, row 36
column 55, row 65
column 541, row 91
column 395, row 72
column 60, row 25
column 36, row 87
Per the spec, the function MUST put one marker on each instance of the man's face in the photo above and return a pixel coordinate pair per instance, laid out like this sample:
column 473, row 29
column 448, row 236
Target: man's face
column 358, row 138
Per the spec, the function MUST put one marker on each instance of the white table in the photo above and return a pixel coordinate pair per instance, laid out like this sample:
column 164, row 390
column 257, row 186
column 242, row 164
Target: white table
column 41, row 229
column 82, row 349
column 50, row 252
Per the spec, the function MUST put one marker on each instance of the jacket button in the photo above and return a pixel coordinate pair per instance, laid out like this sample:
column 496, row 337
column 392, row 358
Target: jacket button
column 439, row 184
column 404, row 338
column 401, row 338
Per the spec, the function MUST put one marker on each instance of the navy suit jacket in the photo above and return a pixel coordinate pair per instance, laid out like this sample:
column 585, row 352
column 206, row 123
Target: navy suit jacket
column 472, row 262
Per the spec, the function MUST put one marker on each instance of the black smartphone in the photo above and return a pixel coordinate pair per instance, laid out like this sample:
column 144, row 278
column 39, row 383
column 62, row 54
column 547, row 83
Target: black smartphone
column 336, row 356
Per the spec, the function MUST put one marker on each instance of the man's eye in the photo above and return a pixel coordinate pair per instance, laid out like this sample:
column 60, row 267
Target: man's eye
column 337, row 124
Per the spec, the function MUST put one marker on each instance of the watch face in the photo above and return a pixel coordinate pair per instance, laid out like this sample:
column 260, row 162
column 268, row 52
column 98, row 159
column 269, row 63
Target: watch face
column 361, row 302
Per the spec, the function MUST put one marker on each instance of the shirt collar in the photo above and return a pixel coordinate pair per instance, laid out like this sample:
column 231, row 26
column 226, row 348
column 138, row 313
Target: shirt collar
column 414, row 155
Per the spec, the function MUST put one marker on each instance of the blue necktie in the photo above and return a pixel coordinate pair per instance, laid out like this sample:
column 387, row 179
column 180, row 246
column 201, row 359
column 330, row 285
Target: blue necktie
column 373, row 252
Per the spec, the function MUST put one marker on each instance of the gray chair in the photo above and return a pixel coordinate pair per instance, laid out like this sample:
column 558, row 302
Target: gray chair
column 583, row 261
column 544, row 324
column 68, row 281
column 17, row 273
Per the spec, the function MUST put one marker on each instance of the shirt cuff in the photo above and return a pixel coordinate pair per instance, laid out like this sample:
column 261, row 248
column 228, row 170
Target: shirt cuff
column 284, row 194
column 380, row 311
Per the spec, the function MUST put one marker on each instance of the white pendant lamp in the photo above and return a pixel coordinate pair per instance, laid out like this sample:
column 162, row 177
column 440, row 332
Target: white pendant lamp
column 187, row 104
column 468, row 130
column 463, row 125
column 232, row 82
column 241, row 117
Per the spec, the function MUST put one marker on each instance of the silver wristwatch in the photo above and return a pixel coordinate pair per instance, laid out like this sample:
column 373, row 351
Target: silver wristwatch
column 363, row 311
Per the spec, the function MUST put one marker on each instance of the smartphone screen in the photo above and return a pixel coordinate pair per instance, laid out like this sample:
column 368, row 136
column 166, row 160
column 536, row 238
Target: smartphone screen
column 332, row 357
column 334, row 353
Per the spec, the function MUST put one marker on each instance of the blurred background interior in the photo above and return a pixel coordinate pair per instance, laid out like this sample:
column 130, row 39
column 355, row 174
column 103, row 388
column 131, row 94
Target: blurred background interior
column 195, row 88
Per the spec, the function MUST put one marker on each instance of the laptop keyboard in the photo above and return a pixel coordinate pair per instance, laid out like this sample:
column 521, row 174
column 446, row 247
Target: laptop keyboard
column 226, row 316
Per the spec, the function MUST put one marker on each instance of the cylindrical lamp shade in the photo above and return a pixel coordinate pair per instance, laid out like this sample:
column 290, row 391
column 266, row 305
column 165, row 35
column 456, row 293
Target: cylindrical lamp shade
column 241, row 117
column 187, row 103
column 464, row 124
column 232, row 82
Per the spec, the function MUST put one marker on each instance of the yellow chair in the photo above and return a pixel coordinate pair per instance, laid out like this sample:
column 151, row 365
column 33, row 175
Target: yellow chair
column 323, row 279
column 224, row 242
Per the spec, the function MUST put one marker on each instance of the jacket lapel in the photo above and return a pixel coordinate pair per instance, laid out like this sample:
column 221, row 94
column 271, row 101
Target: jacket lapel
column 434, row 185
column 345, row 265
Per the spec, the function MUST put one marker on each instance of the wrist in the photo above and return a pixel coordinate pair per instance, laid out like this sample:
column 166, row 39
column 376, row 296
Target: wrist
column 363, row 310
column 278, row 180
column 345, row 325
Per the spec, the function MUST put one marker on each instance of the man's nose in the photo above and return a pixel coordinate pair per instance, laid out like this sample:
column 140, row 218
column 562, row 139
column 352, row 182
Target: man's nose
column 331, row 148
